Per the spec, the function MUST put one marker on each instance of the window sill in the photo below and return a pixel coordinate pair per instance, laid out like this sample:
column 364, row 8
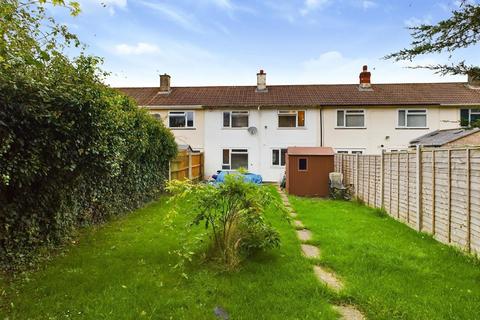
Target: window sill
column 180, row 128
column 349, row 128
column 412, row 128
column 235, row 128
column 291, row 128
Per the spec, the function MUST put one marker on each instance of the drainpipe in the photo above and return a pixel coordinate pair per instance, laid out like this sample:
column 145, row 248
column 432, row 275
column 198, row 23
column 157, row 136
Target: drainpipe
column 321, row 126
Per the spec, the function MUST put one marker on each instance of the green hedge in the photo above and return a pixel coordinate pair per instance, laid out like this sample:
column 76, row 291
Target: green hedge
column 73, row 152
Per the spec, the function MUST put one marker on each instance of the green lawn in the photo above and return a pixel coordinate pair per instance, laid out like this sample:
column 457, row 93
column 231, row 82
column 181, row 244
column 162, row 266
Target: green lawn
column 391, row 271
column 122, row 270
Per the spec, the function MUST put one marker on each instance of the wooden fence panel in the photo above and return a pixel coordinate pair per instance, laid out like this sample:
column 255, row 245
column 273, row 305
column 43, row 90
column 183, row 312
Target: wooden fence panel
column 187, row 165
column 449, row 190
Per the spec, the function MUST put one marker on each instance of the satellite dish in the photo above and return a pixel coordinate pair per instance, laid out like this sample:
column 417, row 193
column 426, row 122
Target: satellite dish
column 252, row 130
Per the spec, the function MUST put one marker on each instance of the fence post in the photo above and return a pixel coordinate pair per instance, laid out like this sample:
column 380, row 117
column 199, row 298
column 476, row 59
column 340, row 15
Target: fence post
column 398, row 185
column 419, row 187
column 356, row 175
column 169, row 170
column 449, row 195
column 408, row 187
column 382, row 178
column 469, row 214
column 190, row 174
column 433, row 194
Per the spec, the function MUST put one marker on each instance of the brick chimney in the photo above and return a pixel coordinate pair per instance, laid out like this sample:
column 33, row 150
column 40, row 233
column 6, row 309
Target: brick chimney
column 262, row 81
column 365, row 76
column 164, row 83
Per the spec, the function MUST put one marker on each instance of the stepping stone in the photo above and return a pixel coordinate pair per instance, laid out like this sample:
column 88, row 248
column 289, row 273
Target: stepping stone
column 310, row 251
column 304, row 235
column 293, row 214
column 298, row 224
column 349, row 313
column 329, row 278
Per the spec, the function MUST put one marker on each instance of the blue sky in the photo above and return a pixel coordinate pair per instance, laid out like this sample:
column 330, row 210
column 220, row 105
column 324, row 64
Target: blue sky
column 225, row 42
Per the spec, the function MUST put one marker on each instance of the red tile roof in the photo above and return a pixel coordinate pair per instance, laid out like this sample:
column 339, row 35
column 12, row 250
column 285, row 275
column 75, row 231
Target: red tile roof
column 309, row 95
column 310, row 151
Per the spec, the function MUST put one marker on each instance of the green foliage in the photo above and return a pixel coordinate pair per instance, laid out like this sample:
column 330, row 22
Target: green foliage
column 460, row 30
column 232, row 211
column 73, row 151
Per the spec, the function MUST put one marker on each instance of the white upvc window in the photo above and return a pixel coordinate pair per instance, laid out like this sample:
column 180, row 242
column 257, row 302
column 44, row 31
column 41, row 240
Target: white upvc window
column 278, row 157
column 233, row 159
column 412, row 118
column 349, row 151
column 181, row 119
column 351, row 118
column 235, row 119
column 291, row 118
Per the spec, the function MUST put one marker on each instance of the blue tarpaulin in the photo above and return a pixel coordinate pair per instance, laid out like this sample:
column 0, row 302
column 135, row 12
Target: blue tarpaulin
column 248, row 177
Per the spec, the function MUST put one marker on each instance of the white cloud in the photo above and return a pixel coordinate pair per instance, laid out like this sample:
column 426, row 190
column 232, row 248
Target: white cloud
column 368, row 4
column 137, row 49
column 311, row 5
column 174, row 14
column 414, row 21
column 333, row 67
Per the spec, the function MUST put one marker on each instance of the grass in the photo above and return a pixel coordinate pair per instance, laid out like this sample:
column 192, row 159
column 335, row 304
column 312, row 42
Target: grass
column 391, row 271
column 122, row 270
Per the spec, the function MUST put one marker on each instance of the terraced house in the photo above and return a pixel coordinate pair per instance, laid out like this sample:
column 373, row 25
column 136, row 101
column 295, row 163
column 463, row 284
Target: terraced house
column 251, row 126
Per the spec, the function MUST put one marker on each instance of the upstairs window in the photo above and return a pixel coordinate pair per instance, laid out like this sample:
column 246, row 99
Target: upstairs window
column 180, row 119
column 234, row 159
column 278, row 157
column 291, row 119
column 235, row 119
column 469, row 116
column 412, row 118
column 350, row 118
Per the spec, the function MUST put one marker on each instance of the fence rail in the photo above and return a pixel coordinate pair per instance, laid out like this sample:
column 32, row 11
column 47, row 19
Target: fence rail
column 187, row 165
column 434, row 190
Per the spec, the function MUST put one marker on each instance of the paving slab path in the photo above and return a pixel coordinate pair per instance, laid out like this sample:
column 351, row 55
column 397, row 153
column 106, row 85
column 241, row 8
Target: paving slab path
column 310, row 251
column 328, row 278
column 304, row 235
column 347, row 312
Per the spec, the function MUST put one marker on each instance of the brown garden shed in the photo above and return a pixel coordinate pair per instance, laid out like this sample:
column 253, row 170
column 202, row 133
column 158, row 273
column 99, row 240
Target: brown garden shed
column 307, row 170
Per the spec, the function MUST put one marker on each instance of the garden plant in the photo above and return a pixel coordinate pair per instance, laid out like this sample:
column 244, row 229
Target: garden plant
column 232, row 214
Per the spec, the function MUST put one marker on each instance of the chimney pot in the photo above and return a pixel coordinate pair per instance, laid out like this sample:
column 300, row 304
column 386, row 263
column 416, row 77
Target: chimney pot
column 164, row 83
column 365, row 78
column 262, row 81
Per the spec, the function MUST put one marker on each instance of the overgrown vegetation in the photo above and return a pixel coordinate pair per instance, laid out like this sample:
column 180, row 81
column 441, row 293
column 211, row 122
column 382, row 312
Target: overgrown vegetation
column 233, row 214
column 73, row 151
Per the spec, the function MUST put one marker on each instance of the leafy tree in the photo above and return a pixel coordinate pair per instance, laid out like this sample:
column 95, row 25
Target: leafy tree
column 461, row 30
column 72, row 150
column 232, row 211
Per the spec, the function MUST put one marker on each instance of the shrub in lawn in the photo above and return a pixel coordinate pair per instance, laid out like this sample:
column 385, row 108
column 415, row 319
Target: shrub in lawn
column 232, row 213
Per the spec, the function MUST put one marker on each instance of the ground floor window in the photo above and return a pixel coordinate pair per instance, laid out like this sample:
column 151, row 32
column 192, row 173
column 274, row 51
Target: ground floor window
column 349, row 151
column 278, row 157
column 234, row 159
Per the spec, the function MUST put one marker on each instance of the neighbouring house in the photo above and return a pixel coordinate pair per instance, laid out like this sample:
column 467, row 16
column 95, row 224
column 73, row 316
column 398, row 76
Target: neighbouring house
column 460, row 137
column 308, row 169
column 252, row 126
